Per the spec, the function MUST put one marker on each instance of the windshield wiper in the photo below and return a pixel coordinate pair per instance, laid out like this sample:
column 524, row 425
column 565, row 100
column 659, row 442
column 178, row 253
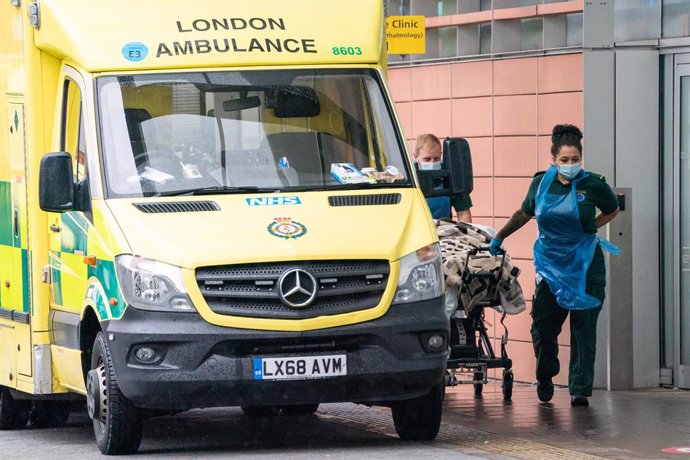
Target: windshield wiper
column 365, row 186
column 220, row 190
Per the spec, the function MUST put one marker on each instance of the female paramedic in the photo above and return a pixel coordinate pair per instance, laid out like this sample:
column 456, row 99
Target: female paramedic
column 427, row 154
column 568, row 259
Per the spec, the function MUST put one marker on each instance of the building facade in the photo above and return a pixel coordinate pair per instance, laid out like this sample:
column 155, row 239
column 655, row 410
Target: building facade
column 502, row 73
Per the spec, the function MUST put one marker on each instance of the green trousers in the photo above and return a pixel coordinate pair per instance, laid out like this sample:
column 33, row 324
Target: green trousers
column 547, row 323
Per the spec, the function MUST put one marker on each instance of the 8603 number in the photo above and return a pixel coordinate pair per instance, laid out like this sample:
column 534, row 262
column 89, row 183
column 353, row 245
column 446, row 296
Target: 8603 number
column 347, row 51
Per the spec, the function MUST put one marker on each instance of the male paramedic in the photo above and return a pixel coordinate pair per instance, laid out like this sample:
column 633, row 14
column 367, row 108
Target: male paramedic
column 427, row 154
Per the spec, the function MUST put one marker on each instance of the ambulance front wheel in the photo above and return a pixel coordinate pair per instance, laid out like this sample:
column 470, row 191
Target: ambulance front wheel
column 14, row 413
column 117, row 423
column 419, row 419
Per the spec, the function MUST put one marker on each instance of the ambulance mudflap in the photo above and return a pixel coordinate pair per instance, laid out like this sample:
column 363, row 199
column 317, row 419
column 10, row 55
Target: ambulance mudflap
column 300, row 367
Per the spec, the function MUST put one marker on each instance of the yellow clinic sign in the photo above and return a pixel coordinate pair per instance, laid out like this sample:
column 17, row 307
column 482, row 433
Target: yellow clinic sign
column 405, row 35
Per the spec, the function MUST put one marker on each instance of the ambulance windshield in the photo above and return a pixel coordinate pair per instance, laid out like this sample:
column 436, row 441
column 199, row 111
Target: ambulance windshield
column 244, row 131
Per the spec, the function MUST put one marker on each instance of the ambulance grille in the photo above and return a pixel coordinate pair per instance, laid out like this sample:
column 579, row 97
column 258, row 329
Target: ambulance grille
column 252, row 290
column 177, row 206
column 365, row 200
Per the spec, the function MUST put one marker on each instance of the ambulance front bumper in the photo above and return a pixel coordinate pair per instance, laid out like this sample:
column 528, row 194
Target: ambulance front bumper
column 196, row 364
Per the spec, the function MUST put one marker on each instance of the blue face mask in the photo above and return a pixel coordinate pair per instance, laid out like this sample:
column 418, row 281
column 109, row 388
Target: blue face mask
column 570, row 171
column 430, row 166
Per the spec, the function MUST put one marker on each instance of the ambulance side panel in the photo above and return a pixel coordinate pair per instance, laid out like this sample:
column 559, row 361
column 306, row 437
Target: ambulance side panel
column 15, row 300
column 24, row 103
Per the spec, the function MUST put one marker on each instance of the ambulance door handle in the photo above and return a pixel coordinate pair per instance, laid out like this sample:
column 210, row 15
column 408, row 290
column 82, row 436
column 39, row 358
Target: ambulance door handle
column 7, row 326
column 55, row 228
column 16, row 223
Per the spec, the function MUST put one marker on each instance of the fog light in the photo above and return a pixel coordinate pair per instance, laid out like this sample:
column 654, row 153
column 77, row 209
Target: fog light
column 180, row 304
column 403, row 295
column 435, row 342
column 146, row 355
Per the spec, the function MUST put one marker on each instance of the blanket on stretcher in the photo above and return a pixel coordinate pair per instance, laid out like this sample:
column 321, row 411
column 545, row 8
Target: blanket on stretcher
column 456, row 239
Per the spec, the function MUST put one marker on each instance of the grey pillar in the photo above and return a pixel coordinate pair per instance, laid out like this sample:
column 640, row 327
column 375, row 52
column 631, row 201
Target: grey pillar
column 620, row 324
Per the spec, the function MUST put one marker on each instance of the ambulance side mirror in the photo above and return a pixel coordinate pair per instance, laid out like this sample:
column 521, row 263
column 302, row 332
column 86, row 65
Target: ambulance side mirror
column 458, row 162
column 55, row 183
column 455, row 175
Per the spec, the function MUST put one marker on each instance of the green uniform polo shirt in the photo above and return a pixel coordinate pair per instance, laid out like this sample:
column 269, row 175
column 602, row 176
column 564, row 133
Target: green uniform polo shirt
column 591, row 193
column 461, row 201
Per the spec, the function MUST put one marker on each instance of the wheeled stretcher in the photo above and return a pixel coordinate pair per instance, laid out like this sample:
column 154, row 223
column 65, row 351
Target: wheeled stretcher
column 471, row 352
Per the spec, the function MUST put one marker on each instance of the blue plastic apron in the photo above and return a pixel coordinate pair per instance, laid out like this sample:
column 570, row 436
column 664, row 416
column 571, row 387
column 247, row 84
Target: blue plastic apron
column 563, row 252
column 439, row 207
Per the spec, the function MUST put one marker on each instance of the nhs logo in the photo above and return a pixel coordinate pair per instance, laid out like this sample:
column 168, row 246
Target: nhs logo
column 273, row 201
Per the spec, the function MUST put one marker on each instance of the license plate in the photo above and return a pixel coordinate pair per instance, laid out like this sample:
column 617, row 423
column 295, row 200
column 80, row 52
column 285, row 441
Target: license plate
column 300, row 367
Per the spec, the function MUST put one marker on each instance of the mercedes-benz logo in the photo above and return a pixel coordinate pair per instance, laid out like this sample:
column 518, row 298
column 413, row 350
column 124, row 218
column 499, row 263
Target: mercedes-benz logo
column 297, row 288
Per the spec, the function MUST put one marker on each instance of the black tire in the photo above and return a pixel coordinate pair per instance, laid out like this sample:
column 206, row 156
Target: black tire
column 261, row 411
column 49, row 414
column 300, row 409
column 419, row 419
column 118, row 425
column 507, row 385
column 478, row 387
column 13, row 413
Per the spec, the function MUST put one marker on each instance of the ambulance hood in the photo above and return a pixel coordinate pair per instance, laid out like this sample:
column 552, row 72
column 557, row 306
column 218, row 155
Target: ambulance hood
column 261, row 228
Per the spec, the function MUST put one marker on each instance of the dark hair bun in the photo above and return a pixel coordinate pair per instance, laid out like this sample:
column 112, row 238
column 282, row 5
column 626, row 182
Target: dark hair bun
column 569, row 131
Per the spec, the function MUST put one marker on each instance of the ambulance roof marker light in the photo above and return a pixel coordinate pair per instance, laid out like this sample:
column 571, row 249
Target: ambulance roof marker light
column 35, row 14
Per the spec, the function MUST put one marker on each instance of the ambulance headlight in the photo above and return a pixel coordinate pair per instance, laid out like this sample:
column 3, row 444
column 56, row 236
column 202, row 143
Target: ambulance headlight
column 421, row 276
column 151, row 285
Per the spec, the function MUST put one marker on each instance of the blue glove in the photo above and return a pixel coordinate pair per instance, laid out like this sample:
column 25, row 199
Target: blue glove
column 495, row 247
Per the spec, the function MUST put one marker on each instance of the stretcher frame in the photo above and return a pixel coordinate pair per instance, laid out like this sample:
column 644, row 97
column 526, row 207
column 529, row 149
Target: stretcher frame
column 476, row 356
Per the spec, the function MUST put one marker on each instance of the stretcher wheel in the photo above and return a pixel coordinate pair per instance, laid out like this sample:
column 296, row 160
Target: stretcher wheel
column 507, row 385
column 478, row 387
column 450, row 380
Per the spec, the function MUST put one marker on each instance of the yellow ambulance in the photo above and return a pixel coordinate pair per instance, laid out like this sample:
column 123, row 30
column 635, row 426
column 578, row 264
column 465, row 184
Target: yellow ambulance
column 209, row 204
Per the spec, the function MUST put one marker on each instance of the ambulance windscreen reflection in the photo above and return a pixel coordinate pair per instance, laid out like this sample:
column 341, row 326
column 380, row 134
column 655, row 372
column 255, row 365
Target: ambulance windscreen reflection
column 237, row 132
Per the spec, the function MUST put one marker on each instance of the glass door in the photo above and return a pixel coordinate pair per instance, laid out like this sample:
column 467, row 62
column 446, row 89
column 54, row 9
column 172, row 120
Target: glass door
column 682, row 245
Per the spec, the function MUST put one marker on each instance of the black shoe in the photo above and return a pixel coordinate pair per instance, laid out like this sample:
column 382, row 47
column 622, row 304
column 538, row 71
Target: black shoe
column 579, row 400
column 545, row 390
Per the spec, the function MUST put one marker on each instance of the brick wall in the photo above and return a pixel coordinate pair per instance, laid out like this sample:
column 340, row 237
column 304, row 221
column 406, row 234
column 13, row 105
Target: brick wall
column 506, row 110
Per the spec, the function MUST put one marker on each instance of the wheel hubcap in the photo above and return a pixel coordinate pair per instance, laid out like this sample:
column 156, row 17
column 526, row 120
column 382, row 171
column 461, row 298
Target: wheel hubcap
column 96, row 394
